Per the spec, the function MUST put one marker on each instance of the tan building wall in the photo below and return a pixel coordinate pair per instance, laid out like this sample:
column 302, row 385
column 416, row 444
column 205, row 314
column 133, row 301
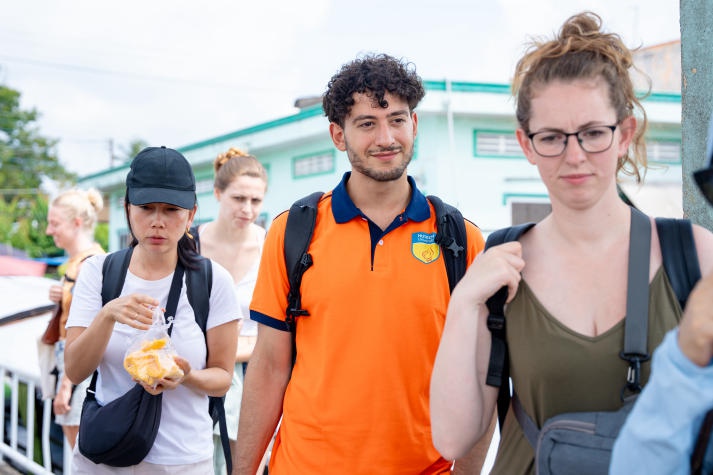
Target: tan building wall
column 662, row 63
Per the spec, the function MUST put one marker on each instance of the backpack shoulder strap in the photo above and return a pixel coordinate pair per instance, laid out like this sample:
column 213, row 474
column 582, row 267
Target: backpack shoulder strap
column 301, row 221
column 452, row 237
column 680, row 259
column 499, row 365
column 114, row 273
column 199, row 283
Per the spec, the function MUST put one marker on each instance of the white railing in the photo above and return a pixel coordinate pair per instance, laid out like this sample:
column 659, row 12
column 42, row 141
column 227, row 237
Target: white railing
column 22, row 454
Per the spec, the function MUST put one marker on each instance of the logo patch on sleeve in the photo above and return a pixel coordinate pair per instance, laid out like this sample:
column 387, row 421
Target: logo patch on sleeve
column 424, row 247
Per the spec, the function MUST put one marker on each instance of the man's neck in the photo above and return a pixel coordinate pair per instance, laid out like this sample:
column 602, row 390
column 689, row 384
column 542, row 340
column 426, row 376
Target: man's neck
column 380, row 201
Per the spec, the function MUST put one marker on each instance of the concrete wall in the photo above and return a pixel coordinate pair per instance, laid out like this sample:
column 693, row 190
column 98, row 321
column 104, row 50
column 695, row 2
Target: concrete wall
column 697, row 100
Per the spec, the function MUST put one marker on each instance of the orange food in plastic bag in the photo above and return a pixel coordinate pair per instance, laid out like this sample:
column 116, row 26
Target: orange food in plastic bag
column 152, row 362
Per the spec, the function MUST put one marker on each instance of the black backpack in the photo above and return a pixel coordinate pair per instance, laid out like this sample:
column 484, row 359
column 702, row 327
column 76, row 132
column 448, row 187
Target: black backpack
column 680, row 261
column 450, row 235
column 198, row 286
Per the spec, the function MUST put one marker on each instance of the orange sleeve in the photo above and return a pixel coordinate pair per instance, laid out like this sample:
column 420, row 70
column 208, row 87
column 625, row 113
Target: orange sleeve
column 269, row 300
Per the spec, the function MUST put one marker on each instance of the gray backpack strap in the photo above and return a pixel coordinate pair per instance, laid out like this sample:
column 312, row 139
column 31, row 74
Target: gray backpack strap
column 528, row 426
column 637, row 300
column 636, row 320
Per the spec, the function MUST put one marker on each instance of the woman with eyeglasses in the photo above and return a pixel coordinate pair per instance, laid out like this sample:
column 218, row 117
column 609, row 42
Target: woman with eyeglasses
column 581, row 125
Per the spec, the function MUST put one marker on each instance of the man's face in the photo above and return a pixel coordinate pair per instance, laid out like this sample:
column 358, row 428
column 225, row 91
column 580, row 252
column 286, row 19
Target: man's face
column 378, row 141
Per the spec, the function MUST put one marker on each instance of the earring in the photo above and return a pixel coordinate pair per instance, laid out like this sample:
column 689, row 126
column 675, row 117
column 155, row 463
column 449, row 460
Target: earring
column 188, row 233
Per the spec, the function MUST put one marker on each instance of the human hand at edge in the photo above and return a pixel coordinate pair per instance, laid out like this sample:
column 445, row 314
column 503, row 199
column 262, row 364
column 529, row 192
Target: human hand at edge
column 494, row 268
column 135, row 310
column 55, row 293
column 60, row 405
column 695, row 335
column 164, row 384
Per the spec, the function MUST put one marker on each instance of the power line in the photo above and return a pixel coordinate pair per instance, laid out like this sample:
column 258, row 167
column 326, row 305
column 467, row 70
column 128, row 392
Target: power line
column 145, row 77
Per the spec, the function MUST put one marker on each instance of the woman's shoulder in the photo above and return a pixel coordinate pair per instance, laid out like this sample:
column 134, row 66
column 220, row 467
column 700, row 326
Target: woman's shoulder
column 95, row 260
column 259, row 232
column 220, row 273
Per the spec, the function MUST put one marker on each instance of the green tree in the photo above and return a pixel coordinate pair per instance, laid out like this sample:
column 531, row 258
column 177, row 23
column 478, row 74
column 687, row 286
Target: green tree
column 101, row 235
column 23, row 224
column 129, row 151
column 26, row 159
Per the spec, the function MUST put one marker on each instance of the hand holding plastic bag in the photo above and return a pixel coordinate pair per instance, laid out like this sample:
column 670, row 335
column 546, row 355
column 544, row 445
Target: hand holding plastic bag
column 150, row 357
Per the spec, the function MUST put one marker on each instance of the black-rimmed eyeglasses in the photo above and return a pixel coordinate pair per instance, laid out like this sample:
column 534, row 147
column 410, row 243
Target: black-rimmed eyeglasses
column 552, row 143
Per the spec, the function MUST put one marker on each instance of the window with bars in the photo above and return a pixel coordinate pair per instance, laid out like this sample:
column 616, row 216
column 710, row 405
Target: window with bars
column 496, row 144
column 204, row 186
column 663, row 151
column 314, row 164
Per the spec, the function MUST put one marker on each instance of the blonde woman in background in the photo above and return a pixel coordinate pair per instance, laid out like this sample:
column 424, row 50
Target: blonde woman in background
column 235, row 241
column 71, row 220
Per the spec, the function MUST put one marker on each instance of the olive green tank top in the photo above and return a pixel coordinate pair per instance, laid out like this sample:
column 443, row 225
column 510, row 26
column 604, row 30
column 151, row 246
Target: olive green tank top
column 556, row 370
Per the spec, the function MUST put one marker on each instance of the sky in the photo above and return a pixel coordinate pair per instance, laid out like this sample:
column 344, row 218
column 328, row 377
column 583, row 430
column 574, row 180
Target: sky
column 102, row 74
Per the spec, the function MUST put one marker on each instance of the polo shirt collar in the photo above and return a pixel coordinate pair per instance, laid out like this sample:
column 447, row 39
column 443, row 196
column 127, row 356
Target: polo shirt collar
column 345, row 210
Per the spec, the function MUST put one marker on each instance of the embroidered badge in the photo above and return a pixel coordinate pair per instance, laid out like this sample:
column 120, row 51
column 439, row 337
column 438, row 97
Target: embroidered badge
column 424, row 247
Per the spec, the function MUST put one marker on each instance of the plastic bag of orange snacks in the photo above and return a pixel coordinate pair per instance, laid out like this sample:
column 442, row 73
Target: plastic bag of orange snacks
column 149, row 358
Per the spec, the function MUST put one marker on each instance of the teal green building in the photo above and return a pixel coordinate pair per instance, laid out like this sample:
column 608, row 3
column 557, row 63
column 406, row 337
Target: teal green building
column 465, row 152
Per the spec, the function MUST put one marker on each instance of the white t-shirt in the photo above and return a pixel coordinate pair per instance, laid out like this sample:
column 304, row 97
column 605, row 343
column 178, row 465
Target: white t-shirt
column 185, row 433
column 244, row 290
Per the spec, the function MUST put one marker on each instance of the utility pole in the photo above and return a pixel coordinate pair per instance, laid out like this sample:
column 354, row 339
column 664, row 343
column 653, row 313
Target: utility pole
column 697, row 101
column 111, row 153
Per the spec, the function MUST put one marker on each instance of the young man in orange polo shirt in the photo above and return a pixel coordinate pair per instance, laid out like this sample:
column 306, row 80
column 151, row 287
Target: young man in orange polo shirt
column 357, row 399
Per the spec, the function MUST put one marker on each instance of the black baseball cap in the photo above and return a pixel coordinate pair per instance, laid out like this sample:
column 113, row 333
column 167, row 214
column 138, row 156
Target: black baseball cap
column 704, row 177
column 161, row 175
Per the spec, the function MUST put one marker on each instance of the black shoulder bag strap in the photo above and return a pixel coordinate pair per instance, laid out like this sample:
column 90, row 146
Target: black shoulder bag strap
column 499, row 364
column 636, row 320
column 451, row 236
column 173, row 294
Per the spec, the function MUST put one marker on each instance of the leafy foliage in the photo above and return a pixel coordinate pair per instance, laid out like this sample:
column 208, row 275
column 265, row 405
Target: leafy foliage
column 26, row 159
column 23, row 223
column 129, row 151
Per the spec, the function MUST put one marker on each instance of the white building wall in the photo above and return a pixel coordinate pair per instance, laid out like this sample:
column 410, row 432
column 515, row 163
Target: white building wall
column 445, row 163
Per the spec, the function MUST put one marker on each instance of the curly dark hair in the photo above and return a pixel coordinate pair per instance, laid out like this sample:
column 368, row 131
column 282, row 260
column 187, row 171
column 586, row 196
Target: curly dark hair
column 374, row 75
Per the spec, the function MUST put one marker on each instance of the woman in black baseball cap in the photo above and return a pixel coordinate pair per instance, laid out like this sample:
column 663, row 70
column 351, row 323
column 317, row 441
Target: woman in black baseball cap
column 160, row 204
column 161, row 176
